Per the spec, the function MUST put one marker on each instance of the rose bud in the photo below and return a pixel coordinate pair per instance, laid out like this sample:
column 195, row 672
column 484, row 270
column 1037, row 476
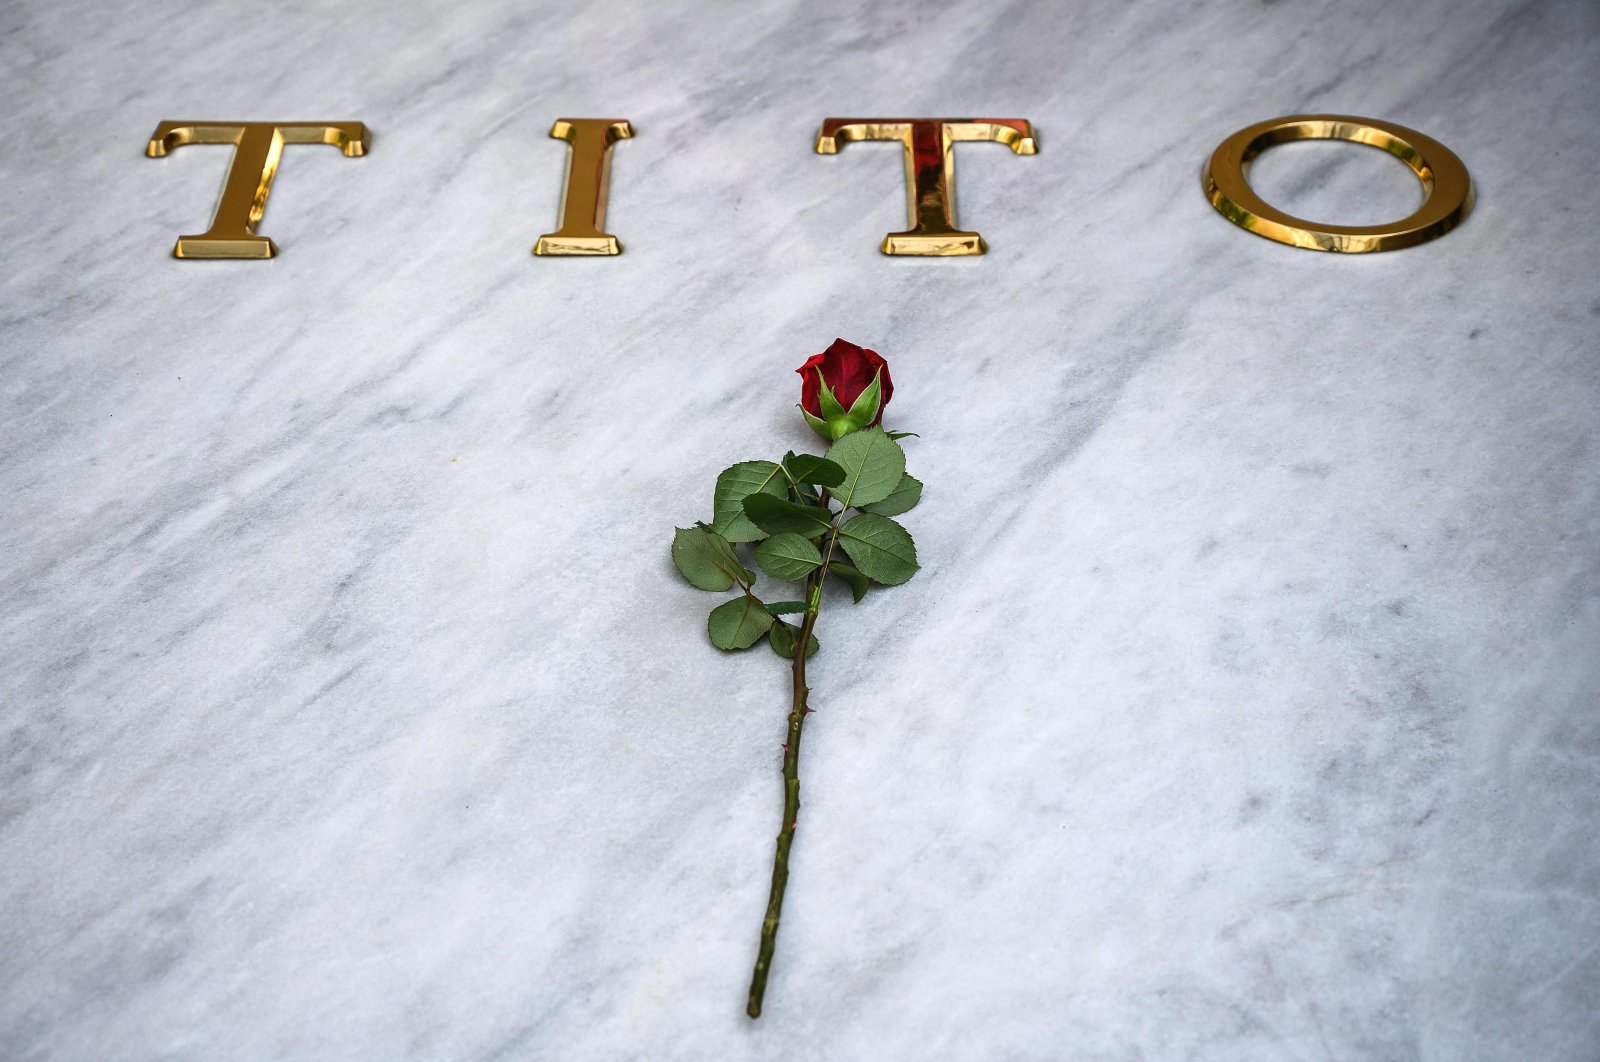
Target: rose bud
column 844, row 389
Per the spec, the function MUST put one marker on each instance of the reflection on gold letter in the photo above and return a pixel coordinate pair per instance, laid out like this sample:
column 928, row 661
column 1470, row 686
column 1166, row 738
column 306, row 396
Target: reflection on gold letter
column 583, row 199
column 1446, row 187
column 930, row 172
column 256, row 149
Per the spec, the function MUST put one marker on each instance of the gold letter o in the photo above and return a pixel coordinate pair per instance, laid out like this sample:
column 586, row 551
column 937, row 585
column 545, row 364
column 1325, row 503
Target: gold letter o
column 1446, row 187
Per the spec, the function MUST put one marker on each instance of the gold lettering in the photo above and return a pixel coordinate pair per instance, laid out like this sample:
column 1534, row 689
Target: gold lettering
column 1446, row 187
column 257, row 147
column 930, row 172
column 583, row 194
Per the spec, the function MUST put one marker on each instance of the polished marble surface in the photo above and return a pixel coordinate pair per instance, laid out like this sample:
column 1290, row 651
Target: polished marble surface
column 1246, row 707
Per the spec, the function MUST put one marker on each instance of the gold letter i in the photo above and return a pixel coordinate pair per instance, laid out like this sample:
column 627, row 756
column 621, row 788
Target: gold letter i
column 583, row 199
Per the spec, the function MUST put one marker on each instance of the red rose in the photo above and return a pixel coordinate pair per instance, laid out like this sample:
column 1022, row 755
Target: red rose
column 844, row 389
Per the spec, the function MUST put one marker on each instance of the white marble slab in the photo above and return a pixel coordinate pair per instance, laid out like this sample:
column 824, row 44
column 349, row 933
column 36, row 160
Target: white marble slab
column 1246, row 707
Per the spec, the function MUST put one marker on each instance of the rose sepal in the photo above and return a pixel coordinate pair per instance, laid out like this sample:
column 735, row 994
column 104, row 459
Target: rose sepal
column 817, row 424
column 836, row 422
column 864, row 412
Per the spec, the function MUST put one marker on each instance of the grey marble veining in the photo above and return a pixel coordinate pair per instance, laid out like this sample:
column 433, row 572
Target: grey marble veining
column 1246, row 707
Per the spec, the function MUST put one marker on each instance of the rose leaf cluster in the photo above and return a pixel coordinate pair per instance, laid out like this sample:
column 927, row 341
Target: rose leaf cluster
column 797, row 518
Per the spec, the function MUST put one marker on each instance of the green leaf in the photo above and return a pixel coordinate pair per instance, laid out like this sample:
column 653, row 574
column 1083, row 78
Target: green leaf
column 881, row 548
column 736, row 484
column 776, row 516
column 905, row 497
column 857, row 581
column 808, row 468
column 873, row 464
column 785, row 608
column 694, row 552
column 739, row 623
column 722, row 552
column 904, row 435
column 782, row 638
column 788, row 556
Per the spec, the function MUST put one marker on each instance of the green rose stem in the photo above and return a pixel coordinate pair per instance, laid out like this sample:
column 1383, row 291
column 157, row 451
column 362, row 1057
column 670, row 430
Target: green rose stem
column 791, row 781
